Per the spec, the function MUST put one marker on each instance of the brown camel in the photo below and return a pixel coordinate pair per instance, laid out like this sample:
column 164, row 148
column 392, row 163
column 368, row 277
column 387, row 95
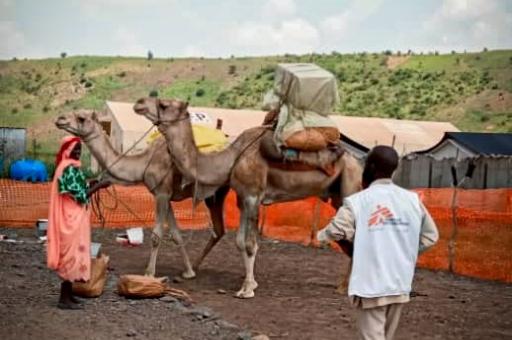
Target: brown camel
column 152, row 167
column 247, row 172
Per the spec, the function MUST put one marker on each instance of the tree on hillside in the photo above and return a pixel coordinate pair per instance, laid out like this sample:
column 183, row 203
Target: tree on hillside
column 150, row 55
column 485, row 49
column 63, row 55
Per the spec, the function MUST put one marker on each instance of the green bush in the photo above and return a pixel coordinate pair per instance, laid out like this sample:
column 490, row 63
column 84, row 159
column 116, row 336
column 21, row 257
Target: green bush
column 153, row 93
column 200, row 93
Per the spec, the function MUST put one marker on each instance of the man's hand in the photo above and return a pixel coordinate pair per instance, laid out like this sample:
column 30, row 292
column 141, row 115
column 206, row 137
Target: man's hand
column 322, row 239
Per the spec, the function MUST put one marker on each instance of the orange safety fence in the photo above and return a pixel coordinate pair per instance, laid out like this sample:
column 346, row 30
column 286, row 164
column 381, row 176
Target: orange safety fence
column 483, row 247
column 23, row 203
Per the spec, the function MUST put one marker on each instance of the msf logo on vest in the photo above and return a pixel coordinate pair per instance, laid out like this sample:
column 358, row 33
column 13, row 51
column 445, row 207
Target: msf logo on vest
column 382, row 216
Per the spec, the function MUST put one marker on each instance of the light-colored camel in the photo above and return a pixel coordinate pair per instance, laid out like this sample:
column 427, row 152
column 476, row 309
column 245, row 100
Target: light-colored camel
column 247, row 172
column 154, row 168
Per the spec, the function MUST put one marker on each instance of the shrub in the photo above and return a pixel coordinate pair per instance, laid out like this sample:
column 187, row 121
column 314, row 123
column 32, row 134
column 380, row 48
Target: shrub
column 14, row 110
column 232, row 69
column 150, row 55
column 88, row 84
column 27, row 106
column 121, row 74
column 83, row 65
column 46, row 108
column 200, row 93
column 63, row 55
column 153, row 93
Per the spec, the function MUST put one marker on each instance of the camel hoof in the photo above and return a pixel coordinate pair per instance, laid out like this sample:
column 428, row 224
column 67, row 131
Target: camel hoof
column 244, row 295
column 247, row 291
column 188, row 275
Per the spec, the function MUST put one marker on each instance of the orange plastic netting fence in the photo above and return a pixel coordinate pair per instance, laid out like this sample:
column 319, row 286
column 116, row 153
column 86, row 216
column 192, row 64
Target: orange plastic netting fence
column 484, row 218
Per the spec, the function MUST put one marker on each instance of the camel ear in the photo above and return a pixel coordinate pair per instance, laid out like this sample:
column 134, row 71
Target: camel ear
column 163, row 103
column 184, row 106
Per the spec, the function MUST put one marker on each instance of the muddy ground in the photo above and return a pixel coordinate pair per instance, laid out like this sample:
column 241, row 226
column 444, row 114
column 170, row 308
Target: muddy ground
column 295, row 298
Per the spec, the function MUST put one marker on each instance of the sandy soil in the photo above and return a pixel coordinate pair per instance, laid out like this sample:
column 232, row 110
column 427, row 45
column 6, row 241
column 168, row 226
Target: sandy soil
column 295, row 298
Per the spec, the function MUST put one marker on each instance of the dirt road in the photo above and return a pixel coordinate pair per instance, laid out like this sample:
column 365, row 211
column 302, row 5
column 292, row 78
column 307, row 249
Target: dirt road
column 295, row 298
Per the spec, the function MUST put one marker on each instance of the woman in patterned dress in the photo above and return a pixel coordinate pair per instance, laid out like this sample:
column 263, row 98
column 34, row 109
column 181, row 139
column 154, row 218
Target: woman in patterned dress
column 69, row 228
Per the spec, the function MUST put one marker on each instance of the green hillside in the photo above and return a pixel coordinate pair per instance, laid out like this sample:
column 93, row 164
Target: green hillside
column 473, row 90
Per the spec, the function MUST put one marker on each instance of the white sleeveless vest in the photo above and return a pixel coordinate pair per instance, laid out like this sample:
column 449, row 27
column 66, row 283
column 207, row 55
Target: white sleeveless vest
column 388, row 223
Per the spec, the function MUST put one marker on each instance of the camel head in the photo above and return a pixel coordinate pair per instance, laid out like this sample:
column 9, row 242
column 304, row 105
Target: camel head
column 161, row 111
column 81, row 123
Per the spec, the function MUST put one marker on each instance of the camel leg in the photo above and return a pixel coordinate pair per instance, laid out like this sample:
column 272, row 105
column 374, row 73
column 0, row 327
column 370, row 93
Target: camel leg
column 216, row 206
column 247, row 243
column 176, row 238
column 162, row 206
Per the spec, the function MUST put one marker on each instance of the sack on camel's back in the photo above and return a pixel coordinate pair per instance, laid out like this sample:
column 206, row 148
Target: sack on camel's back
column 313, row 138
column 306, row 131
column 94, row 287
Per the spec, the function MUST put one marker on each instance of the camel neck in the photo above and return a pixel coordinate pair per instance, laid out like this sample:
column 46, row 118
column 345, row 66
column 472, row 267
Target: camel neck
column 124, row 169
column 207, row 168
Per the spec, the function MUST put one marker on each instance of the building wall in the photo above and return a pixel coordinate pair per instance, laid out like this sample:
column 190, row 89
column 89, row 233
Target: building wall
column 423, row 171
column 12, row 146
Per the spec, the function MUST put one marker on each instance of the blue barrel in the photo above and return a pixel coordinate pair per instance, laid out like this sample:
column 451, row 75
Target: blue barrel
column 29, row 170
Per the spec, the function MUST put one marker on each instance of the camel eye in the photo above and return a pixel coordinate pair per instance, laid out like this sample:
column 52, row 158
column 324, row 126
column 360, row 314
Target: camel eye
column 81, row 119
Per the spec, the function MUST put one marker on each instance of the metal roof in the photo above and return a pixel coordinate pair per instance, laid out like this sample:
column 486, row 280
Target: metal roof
column 482, row 143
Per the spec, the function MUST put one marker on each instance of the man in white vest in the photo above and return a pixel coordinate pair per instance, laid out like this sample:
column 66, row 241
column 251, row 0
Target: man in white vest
column 388, row 226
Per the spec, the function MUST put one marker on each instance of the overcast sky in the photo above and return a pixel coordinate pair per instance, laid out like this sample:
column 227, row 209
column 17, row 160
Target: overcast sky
column 211, row 28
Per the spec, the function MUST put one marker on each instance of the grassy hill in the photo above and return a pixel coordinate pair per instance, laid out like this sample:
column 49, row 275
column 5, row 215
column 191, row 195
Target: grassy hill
column 471, row 90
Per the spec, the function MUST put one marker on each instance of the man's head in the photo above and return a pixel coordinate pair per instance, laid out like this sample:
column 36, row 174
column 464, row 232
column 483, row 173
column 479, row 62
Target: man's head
column 381, row 162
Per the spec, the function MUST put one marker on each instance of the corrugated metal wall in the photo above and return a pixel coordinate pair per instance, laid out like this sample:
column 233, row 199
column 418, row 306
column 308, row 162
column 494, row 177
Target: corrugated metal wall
column 12, row 146
column 421, row 171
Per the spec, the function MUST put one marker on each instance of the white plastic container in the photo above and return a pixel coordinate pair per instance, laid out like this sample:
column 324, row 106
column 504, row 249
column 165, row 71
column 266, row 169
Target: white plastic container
column 41, row 227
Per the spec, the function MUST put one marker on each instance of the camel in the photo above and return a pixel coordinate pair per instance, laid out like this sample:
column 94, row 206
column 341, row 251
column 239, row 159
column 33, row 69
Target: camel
column 154, row 168
column 247, row 172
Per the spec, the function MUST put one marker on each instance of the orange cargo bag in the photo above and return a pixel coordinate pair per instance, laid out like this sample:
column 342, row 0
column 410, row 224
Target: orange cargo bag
column 93, row 287
column 140, row 286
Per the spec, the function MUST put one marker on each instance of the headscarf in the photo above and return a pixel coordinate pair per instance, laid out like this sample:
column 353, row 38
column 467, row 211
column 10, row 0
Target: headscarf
column 67, row 144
